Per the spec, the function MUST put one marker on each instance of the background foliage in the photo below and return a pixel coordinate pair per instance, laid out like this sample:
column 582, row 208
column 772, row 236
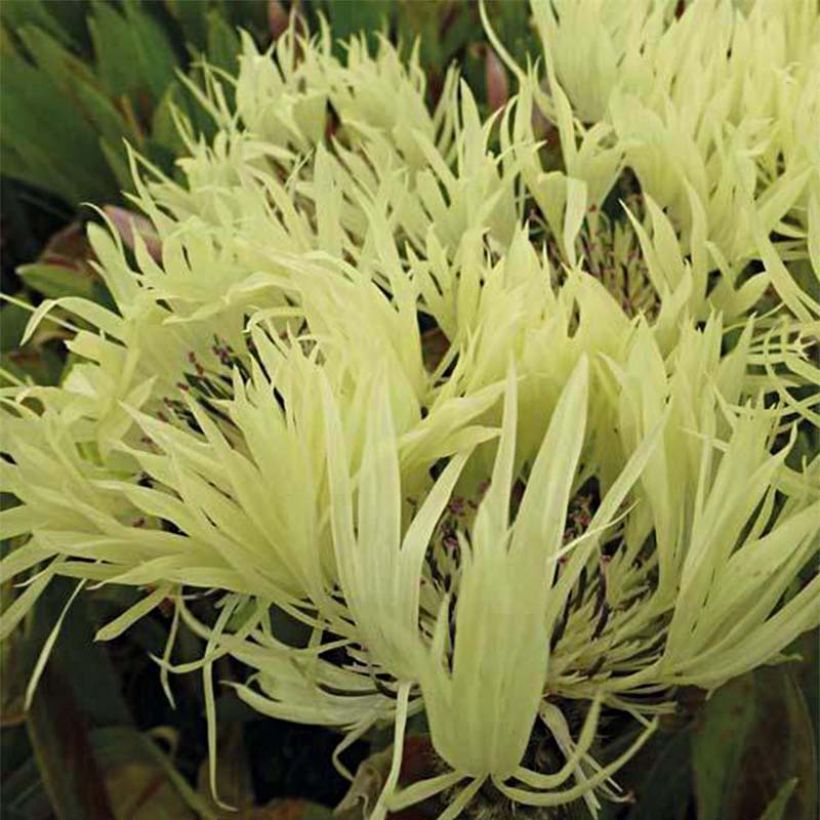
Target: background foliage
column 80, row 79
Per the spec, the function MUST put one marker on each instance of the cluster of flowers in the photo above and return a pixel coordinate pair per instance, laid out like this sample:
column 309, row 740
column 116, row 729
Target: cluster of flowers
column 504, row 411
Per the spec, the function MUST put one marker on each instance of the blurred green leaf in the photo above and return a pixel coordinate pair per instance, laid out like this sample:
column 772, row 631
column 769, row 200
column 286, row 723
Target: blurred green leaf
column 24, row 796
column 91, row 759
column 251, row 15
column 142, row 782
column 53, row 57
column 13, row 321
column 191, row 15
column 114, row 53
column 233, row 774
column 139, row 779
column 117, row 160
column 64, row 756
column 223, row 43
column 807, row 672
column 156, row 59
column 163, row 128
column 57, row 727
column 288, row 809
column 754, row 734
column 423, row 21
column 346, row 19
column 55, row 281
column 19, row 13
column 134, row 56
column 661, row 777
column 82, row 663
column 30, row 364
column 719, row 741
column 777, row 807
column 41, row 125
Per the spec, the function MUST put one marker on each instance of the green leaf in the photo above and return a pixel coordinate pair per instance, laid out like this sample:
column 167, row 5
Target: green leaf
column 53, row 58
column 108, row 123
column 38, row 13
column 133, row 54
column 117, row 159
column 24, row 796
column 78, row 82
column 191, row 16
column 807, row 672
column 141, row 780
column 777, row 807
column 58, row 730
column 71, row 27
column 233, row 771
column 164, row 130
column 55, row 281
column 45, row 127
column 367, row 16
column 423, row 21
column 661, row 777
column 41, row 366
column 109, row 771
column 13, row 321
column 113, row 53
column 223, row 43
column 293, row 808
column 753, row 734
column 719, row 742
column 156, row 59
column 251, row 15
column 82, row 663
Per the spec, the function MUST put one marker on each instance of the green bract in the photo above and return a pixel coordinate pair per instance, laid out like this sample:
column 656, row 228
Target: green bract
column 419, row 381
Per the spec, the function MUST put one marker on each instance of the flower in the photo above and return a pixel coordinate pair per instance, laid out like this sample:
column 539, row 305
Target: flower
column 588, row 497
